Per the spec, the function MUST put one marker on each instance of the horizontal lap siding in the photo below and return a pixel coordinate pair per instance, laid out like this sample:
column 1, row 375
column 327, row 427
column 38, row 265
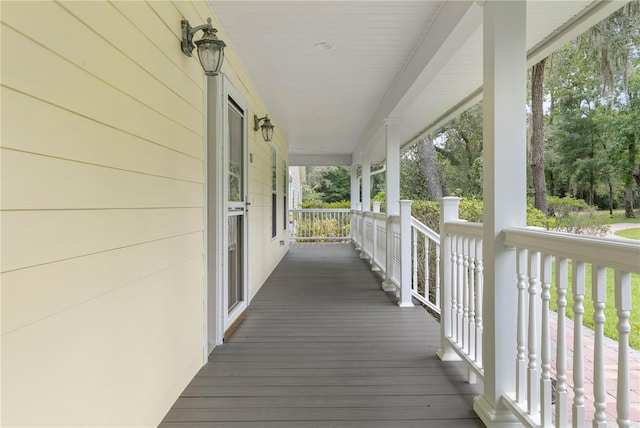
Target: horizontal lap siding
column 102, row 212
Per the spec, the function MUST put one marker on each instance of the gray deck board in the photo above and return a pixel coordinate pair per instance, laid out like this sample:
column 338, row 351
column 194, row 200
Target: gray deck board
column 323, row 346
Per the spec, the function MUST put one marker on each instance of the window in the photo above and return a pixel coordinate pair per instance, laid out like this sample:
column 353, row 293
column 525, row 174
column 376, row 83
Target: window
column 274, row 192
column 285, row 194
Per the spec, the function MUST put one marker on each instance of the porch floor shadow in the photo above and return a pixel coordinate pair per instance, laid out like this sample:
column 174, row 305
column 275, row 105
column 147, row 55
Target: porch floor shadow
column 324, row 346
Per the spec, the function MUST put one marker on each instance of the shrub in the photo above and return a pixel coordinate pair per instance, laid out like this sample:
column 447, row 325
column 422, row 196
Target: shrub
column 574, row 216
column 317, row 227
column 326, row 205
column 561, row 207
column 537, row 218
column 381, row 196
column 427, row 212
column 471, row 209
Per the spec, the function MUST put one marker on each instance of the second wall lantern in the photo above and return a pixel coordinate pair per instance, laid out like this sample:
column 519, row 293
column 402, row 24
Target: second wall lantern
column 267, row 127
column 210, row 48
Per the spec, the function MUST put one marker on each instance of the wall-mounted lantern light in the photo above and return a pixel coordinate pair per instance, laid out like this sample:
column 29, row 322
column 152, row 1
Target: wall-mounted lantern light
column 267, row 127
column 210, row 48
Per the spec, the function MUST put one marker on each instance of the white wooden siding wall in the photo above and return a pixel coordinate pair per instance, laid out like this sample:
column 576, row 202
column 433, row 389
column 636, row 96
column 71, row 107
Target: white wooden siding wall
column 296, row 188
column 102, row 210
column 264, row 252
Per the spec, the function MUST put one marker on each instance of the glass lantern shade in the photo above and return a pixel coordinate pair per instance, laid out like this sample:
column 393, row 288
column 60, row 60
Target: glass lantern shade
column 210, row 52
column 267, row 130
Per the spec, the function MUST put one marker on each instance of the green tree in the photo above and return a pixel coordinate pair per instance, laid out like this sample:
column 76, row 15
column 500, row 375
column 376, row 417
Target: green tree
column 413, row 184
column 537, row 136
column 624, row 131
column 588, row 84
column 459, row 145
column 334, row 183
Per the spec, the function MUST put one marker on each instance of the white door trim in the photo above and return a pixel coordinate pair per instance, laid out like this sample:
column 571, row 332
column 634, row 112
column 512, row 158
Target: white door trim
column 213, row 215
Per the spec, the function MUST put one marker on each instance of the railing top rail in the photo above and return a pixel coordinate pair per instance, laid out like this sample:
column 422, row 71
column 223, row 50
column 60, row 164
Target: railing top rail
column 465, row 228
column 422, row 228
column 380, row 216
column 329, row 210
column 601, row 252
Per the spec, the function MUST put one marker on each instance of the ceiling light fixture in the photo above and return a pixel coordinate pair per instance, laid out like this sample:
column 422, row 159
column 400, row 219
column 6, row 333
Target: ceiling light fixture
column 324, row 46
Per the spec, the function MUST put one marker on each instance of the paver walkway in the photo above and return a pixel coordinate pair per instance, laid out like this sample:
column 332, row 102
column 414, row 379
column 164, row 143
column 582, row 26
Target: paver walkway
column 616, row 227
column 611, row 372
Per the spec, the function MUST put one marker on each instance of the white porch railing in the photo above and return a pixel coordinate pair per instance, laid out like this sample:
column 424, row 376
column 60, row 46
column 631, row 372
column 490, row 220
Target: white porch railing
column 464, row 279
column 539, row 254
column 423, row 276
column 425, row 262
column 446, row 273
column 546, row 261
column 320, row 225
column 374, row 246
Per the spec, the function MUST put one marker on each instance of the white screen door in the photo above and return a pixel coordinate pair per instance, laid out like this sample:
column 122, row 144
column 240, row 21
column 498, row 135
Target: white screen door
column 235, row 299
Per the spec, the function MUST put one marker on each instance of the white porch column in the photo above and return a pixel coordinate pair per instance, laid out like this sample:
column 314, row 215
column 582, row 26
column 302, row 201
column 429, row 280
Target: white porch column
column 366, row 185
column 355, row 187
column 405, row 255
column 355, row 200
column 392, row 131
column 366, row 201
column 449, row 210
column 504, row 193
column 392, row 135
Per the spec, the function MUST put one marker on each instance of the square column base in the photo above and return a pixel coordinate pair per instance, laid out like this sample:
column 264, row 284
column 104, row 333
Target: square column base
column 406, row 304
column 448, row 354
column 388, row 286
column 492, row 417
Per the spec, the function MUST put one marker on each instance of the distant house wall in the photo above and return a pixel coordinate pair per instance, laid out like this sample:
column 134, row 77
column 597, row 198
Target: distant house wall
column 295, row 199
column 102, row 172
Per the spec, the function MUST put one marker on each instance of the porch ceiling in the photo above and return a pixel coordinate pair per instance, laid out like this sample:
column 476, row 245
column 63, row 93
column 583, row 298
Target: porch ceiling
column 419, row 61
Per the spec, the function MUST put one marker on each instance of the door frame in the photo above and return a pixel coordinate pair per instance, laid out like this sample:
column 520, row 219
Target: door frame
column 218, row 90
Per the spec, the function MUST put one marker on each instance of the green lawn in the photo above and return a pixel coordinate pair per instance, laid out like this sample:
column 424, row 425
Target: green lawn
column 611, row 317
column 617, row 217
column 629, row 233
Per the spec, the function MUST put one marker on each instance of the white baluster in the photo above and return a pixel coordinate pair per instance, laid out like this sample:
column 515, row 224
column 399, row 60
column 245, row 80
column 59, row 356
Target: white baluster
column 479, row 297
column 427, row 282
column 532, row 369
column 578, row 408
column 465, row 295
column 460, row 292
column 561, row 345
column 623, row 305
column 545, row 351
column 454, row 286
column 521, row 363
column 599, row 296
column 414, row 259
column 437, row 274
column 472, row 299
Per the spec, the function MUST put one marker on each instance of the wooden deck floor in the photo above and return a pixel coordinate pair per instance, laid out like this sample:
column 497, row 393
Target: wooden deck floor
column 324, row 346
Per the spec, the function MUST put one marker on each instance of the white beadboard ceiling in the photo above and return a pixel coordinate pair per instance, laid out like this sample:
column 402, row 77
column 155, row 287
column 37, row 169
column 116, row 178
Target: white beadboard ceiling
column 411, row 60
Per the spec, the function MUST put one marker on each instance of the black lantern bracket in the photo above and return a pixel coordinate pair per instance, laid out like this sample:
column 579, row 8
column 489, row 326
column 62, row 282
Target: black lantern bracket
column 188, row 32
